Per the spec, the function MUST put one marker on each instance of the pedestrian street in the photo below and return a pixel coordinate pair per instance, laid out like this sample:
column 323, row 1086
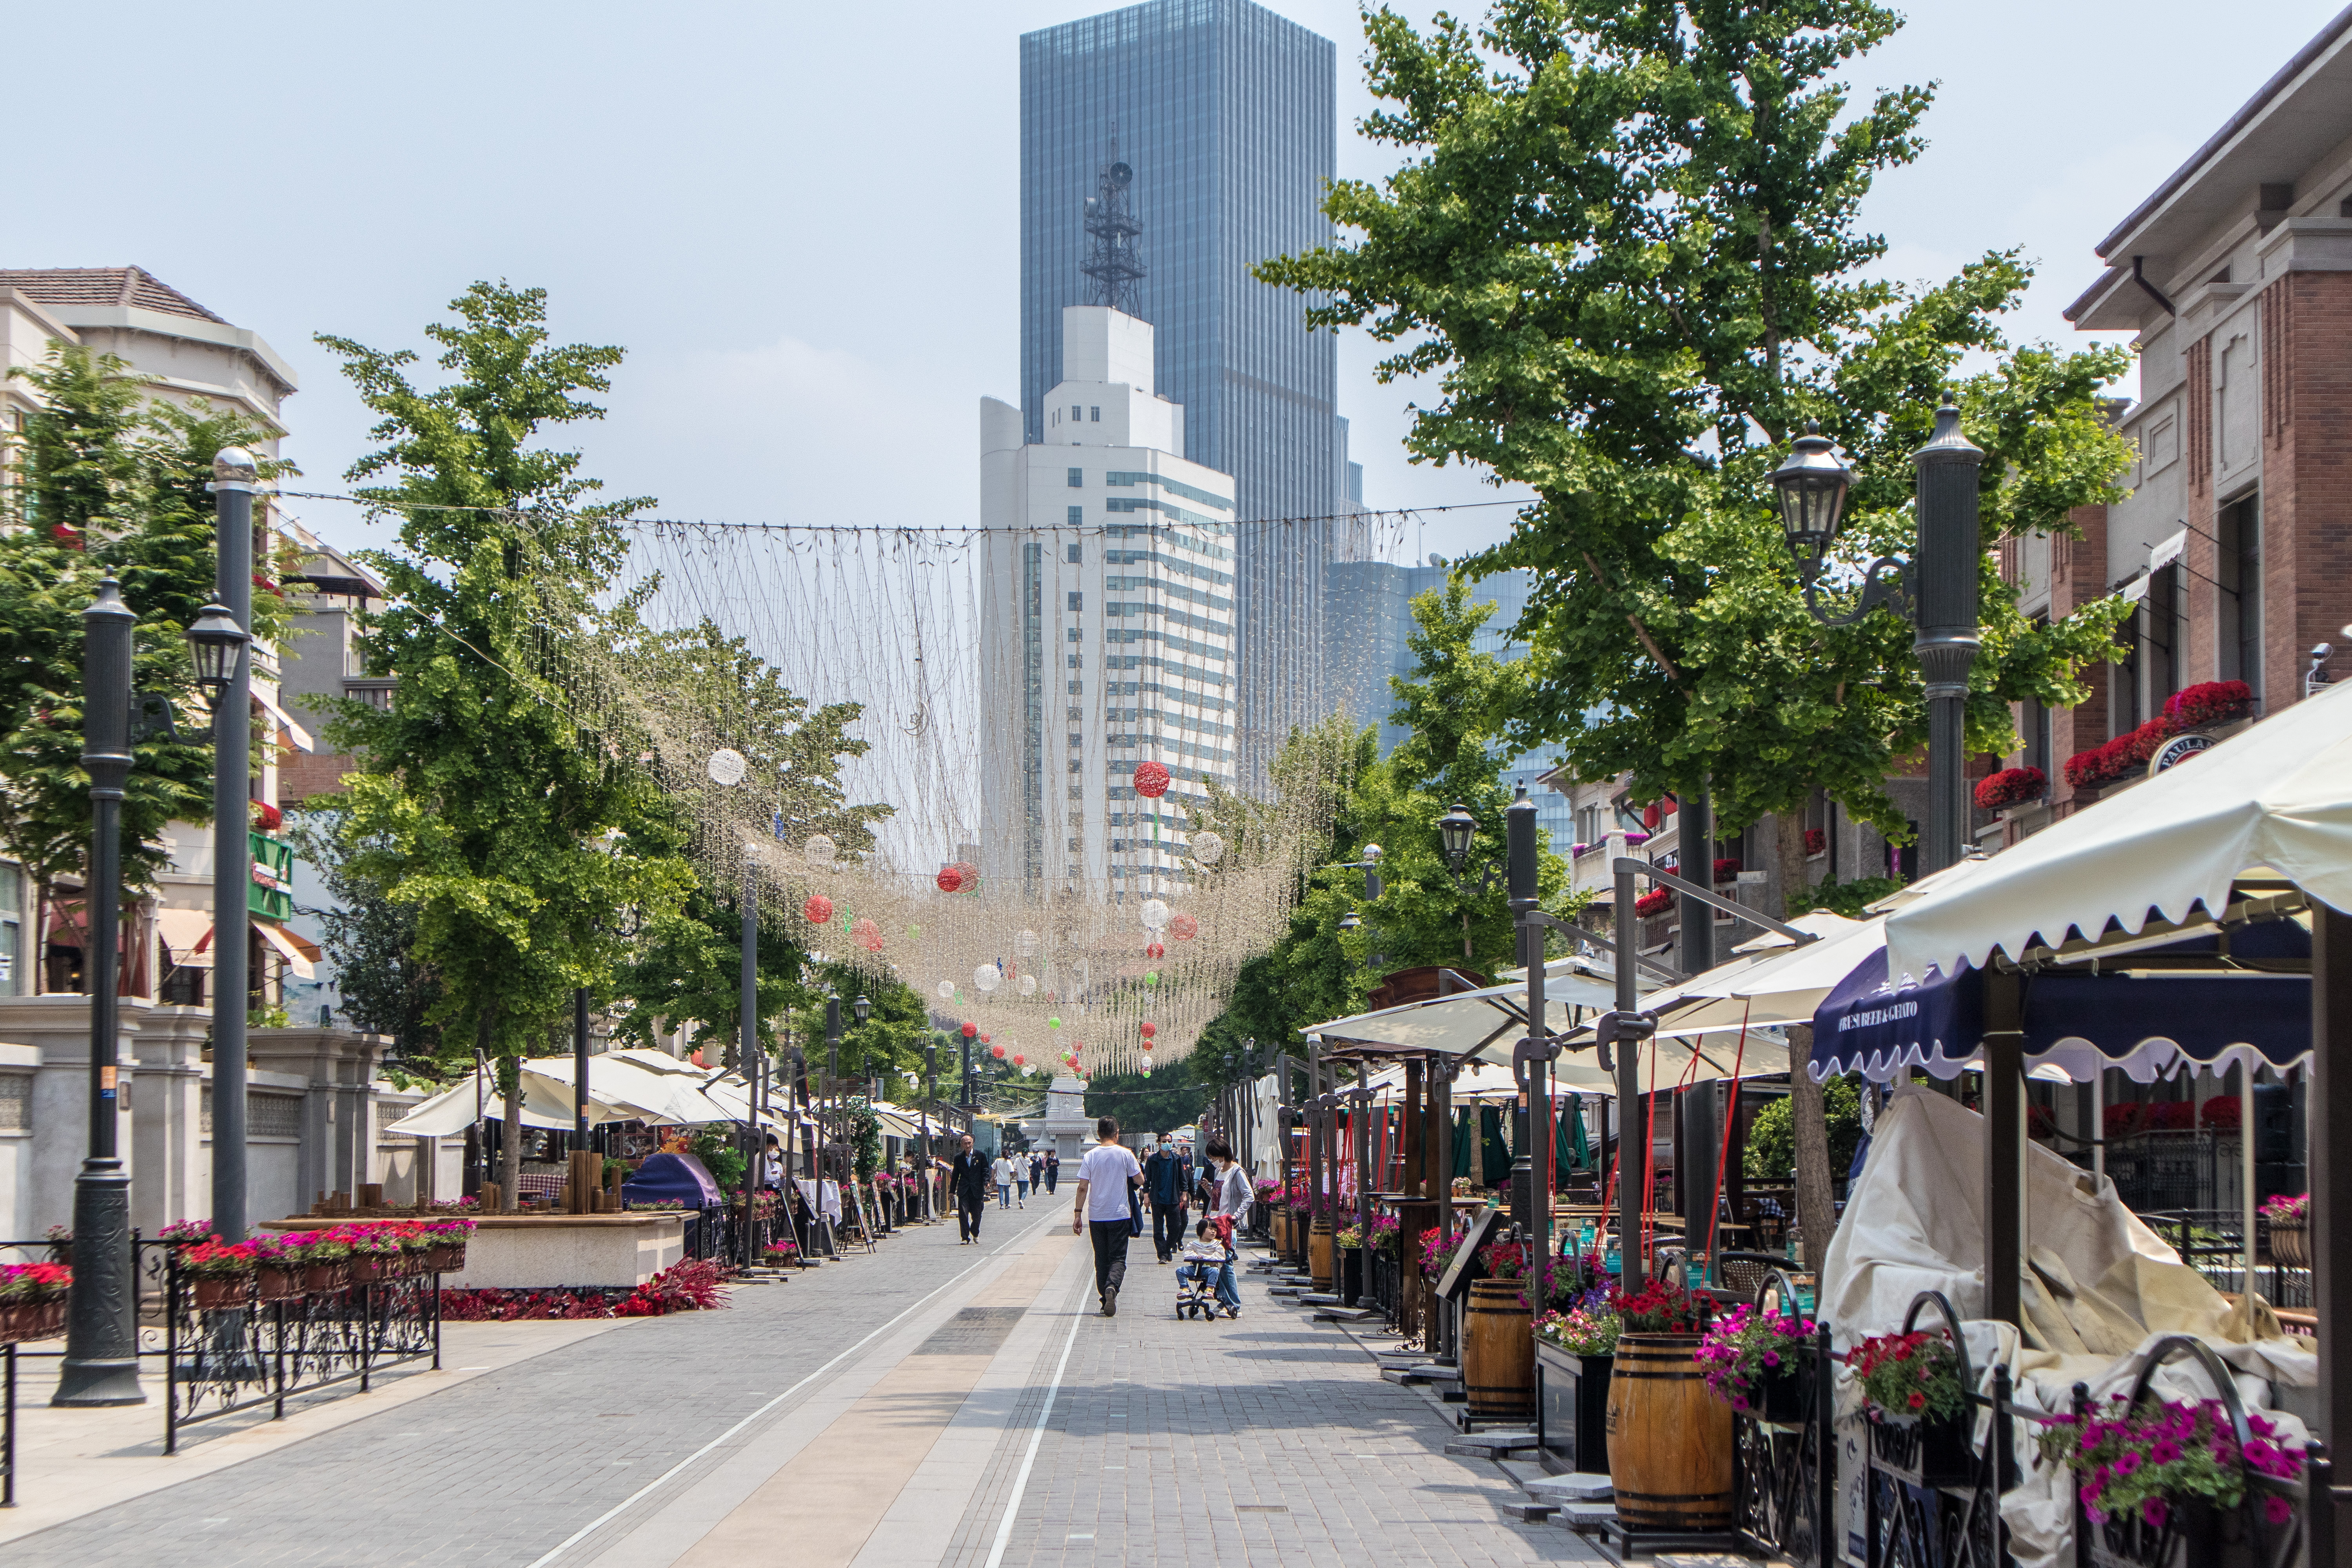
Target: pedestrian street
column 923, row 1404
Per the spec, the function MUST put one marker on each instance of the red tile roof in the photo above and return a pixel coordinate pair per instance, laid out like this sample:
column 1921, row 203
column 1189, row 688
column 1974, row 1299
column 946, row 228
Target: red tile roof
column 103, row 286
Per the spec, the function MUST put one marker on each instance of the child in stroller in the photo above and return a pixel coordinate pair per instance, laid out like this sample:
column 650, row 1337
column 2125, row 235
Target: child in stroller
column 1206, row 1258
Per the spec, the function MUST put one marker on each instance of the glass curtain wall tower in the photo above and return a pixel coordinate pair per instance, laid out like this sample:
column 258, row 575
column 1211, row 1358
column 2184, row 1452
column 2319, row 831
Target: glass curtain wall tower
column 1227, row 115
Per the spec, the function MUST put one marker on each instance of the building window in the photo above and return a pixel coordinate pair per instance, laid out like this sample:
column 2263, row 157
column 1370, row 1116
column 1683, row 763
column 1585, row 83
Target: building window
column 1078, row 552
column 1077, row 479
column 1077, row 689
column 1074, row 413
column 2241, row 561
column 1076, row 517
column 11, row 932
column 1074, row 635
column 1078, row 602
column 1097, row 416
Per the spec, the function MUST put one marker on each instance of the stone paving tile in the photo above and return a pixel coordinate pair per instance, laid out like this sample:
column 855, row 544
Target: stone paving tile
column 499, row 1470
column 1175, row 1442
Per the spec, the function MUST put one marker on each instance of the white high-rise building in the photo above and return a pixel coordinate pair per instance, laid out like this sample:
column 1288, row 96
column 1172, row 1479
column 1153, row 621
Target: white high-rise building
column 1106, row 622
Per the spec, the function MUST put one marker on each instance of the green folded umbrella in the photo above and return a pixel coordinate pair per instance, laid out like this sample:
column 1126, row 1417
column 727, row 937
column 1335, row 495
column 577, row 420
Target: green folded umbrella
column 1490, row 1140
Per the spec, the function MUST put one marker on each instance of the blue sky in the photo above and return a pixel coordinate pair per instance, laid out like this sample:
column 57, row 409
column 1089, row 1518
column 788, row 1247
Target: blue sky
column 800, row 219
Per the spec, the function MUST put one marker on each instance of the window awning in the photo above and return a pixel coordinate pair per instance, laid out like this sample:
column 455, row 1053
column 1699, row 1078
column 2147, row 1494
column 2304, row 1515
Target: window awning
column 298, row 951
column 301, row 736
column 186, row 933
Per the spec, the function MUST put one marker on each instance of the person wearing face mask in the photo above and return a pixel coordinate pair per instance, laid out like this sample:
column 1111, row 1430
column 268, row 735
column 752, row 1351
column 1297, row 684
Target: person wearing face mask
column 1165, row 1184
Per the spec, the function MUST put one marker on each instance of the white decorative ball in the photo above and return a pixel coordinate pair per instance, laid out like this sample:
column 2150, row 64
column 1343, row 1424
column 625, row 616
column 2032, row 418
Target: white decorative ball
column 726, row 766
column 987, row 977
column 1208, row 847
column 1155, row 914
column 947, row 990
column 820, row 849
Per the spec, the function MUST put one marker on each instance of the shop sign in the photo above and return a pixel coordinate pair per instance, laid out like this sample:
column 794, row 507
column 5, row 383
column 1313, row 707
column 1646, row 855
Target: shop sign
column 2179, row 749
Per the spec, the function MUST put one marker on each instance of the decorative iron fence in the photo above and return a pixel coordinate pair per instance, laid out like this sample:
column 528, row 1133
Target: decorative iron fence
column 248, row 1346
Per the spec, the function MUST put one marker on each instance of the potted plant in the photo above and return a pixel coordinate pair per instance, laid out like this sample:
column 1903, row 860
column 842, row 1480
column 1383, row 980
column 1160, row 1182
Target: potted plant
column 1670, row 1453
column 60, row 1240
column 32, row 1299
column 2289, row 1218
column 2011, row 786
column 277, row 1272
column 447, row 1254
column 221, row 1272
column 374, row 1253
column 1918, row 1406
column 780, row 1254
column 324, row 1257
column 2169, row 1483
column 1575, row 1349
column 1752, row 1359
column 416, row 1243
column 186, row 1232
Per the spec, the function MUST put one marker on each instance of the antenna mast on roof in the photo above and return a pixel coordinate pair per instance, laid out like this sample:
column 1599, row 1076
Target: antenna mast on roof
column 1112, row 265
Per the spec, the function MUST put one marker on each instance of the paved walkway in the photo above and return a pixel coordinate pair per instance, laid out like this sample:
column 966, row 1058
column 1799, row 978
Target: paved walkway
column 930, row 1404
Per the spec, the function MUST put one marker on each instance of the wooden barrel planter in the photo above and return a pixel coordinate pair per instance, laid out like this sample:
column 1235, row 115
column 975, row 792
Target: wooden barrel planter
column 1318, row 1254
column 1499, row 1353
column 1669, row 1439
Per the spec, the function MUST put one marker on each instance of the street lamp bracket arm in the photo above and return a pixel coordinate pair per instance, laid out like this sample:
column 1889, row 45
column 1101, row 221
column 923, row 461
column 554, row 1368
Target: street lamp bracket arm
column 1886, row 584
column 1710, row 897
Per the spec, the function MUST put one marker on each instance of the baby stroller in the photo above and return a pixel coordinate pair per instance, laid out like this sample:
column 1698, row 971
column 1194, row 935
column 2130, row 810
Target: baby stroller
column 1196, row 1282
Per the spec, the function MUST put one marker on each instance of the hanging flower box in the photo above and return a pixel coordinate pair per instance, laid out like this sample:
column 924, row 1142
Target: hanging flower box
column 2167, row 1484
column 1920, row 1426
column 2011, row 786
column 2209, row 704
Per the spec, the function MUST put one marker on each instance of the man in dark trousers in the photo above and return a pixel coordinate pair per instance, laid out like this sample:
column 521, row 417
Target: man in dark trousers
column 968, row 1179
column 1167, row 1183
column 1101, row 1209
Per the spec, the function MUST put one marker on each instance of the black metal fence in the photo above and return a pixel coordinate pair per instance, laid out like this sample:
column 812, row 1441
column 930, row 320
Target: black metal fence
column 239, row 1349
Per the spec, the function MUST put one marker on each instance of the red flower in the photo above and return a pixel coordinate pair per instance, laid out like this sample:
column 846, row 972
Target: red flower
column 1919, row 1402
column 65, row 536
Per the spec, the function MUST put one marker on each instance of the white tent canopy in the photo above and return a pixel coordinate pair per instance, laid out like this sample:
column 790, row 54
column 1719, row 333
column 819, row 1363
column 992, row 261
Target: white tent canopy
column 2278, row 796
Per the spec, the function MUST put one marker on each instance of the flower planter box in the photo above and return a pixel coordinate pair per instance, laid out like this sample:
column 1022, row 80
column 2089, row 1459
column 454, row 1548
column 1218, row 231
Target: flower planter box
column 2195, row 1534
column 213, row 1295
column 1925, row 1453
column 371, row 1269
column 2290, row 1244
column 325, row 1276
column 446, row 1259
column 32, row 1320
column 278, row 1284
column 1572, row 1401
column 1778, row 1400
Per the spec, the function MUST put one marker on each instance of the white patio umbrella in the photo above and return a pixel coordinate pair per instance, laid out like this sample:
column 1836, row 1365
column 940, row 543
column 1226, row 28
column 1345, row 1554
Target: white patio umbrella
column 545, row 1103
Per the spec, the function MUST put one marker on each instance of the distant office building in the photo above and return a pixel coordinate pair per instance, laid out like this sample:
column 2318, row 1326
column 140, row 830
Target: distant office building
column 1106, row 622
column 1370, row 603
column 1226, row 115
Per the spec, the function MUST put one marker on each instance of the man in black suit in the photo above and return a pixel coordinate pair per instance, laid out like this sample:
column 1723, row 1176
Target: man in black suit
column 968, row 1179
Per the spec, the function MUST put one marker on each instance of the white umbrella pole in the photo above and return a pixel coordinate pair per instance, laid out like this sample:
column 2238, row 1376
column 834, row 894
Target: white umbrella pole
column 2246, row 1180
column 2098, row 1124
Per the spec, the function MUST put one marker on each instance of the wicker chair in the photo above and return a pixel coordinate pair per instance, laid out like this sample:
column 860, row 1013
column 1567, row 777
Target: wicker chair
column 1741, row 1274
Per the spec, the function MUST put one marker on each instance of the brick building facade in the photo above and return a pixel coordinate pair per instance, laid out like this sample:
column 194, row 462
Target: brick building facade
column 2235, row 544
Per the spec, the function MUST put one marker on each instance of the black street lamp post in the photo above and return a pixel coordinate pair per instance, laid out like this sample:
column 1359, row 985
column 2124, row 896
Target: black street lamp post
column 930, row 1093
column 221, row 639
column 101, row 1361
column 1938, row 589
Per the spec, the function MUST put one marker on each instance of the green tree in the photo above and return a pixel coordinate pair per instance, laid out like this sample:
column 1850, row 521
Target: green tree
column 1625, row 239
column 370, row 938
column 492, row 798
column 106, row 479
column 1171, row 1097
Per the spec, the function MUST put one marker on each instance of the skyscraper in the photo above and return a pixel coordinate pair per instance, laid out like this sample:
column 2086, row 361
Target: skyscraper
column 1106, row 624
column 1226, row 115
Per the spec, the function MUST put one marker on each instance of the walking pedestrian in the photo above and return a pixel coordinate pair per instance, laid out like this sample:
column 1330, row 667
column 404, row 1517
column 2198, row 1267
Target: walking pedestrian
column 1165, row 1184
column 1021, row 1180
column 1107, row 1178
column 1002, row 1170
column 968, row 1179
column 1052, row 1168
column 1037, row 1172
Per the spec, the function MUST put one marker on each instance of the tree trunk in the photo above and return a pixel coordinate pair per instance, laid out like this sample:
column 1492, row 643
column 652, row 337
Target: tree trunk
column 1816, row 1206
column 511, row 1135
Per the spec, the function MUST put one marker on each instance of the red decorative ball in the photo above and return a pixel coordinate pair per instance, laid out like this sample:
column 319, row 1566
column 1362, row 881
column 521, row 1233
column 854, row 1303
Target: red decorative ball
column 1146, row 1045
column 1018, row 1059
column 1150, row 1030
column 1153, row 950
column 951, row 877
column 818, row 910
column 1184, row 928
column 969, row 1030
column 996, row 1050
column 984, row 1039
column 1150, row 781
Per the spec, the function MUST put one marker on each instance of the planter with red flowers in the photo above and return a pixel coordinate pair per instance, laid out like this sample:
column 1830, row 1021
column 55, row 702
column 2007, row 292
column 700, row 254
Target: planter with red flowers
column 1915, row 1391
column 1670, row 1441
column 220, row 1273
column 2011, row 786
column 33, row 1300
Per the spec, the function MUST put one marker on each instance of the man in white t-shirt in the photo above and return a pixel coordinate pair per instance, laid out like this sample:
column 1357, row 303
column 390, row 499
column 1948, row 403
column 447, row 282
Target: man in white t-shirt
column 1103, row 1208
column 1002, row 1171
